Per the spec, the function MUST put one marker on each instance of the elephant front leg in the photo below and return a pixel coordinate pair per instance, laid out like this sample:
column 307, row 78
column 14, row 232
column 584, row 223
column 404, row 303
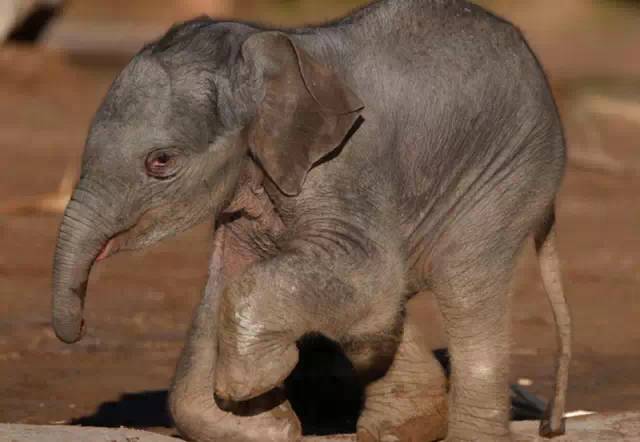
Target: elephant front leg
column 410, row 401
column 276, row 302
column 196, row 413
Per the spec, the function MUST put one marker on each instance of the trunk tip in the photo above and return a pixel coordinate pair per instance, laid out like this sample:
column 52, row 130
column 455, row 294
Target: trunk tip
column 67, row 334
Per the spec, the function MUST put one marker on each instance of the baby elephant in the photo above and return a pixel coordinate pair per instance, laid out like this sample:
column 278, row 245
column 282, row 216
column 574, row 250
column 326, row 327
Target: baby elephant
column 414, row 144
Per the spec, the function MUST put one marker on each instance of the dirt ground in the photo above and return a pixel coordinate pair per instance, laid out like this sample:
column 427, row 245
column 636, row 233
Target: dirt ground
column 140, row 304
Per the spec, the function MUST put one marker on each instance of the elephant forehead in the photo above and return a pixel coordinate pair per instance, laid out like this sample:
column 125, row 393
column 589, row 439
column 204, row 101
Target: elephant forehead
column 141, row 90
column 143, row 110
column 126, row 140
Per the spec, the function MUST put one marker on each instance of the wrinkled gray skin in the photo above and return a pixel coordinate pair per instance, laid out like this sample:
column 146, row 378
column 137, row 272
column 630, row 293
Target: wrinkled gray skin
column 412, row 145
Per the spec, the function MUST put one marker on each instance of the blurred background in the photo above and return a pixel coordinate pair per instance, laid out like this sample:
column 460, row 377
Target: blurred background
column 57, row 58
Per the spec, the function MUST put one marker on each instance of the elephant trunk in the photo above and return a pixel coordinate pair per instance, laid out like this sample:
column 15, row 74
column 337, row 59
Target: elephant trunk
column 81, row 238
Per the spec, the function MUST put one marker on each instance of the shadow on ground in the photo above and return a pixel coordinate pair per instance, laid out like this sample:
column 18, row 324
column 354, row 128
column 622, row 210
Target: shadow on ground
column 133, row 410
column 323, row 390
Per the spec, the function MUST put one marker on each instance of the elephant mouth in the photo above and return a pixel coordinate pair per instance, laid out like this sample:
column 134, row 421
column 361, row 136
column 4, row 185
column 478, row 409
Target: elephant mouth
column 146, row 231
column 120, row 241
column 125, row 240
column 106, row 251
column 133, row 237
column 143, row 233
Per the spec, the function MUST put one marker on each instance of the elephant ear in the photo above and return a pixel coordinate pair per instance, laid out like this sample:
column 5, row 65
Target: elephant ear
column 305, row 113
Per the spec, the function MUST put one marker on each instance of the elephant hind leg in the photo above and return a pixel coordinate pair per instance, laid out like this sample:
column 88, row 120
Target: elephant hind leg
column 409, row 403
column 553, row 422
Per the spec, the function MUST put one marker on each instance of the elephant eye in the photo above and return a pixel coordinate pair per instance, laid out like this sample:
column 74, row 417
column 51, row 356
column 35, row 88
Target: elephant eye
column 161, row 164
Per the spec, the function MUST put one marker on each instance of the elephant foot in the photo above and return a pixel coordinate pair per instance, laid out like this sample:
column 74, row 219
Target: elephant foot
column 410, row 402
column 404, row 419
column 257, row 420
column 277, row 424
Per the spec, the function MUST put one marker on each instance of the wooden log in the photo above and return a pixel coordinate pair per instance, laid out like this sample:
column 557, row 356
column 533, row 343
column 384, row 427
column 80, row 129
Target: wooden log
column 68, row 433
column 601, row 427
column 122, row 27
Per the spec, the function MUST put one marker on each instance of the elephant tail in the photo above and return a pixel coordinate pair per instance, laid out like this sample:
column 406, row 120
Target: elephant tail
column 552, row 423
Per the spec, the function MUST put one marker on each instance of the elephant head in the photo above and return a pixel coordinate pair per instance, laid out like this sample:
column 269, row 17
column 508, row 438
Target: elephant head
column 176, row 130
